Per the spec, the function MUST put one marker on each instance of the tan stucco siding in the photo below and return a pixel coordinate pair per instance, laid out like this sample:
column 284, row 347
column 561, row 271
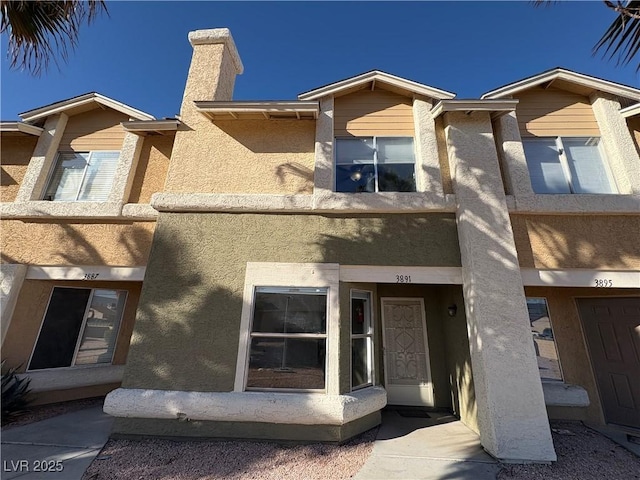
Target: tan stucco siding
column 572, row 350
column 151, row 171
column 562, row 241
column 371, row 113
column 76, row 243
column 553, row 112
column 634, row 128
column 94, row 130
column 192, row 296
column 443, row 157
column 15, row 154
column 31, row 308
column 244, row 156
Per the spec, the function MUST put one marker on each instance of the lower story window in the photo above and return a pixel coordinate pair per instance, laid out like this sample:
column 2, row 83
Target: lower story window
column 80, row 327
column 543, row 341
column 288, row 339
column 361, row 340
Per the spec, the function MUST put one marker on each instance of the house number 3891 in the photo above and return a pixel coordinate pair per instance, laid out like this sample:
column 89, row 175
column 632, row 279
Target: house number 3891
column 403, row 278
column 90, row 276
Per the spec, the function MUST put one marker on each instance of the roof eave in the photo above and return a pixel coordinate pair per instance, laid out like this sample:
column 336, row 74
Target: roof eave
column 383, row 77
column 58, row 107
column 21, row 127
column 495, row 107
column 267, row 108
column 567, row 75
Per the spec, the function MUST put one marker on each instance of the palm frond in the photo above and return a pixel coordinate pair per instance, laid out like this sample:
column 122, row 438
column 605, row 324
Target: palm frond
column 40, row 31
column 622, row 39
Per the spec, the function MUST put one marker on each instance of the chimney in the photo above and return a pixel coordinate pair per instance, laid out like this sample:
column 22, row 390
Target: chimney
column 214, row 66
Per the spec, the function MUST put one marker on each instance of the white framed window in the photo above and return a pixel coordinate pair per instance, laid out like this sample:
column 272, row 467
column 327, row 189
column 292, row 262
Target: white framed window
column 82, row 176
column 289, row 328
column 362, row 333
column 80, row 327
column 288, row 346
column 543, row 340
column 375, row 164
column 567, row 165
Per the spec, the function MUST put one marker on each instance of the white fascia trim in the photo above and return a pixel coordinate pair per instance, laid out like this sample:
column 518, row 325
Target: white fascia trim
column 77, row 210
column 503, row 106
column 631, row 111
column 574, row 203
column 73, row 377
column 411, row 86
column 264, row 407
column 209, row 108
column 95, row 273
column 391, row 274
column 562, row 74
column 214, row 36
column 385, row 202
column 143, row 126
column 21, row 127
column 578, row 277
column 36, row 114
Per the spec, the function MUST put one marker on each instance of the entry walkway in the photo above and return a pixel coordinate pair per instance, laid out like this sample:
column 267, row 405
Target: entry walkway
column 74, row 439
column 438, row 447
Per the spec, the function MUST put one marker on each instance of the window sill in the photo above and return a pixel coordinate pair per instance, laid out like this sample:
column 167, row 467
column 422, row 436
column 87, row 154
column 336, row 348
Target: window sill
column 574, row 203
column 73, row 377
column 76, row 210
column 268, row 407
column 560, row 394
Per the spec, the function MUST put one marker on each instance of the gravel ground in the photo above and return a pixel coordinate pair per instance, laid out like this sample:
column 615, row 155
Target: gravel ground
column 42, row 412
column 171, row 460
column 582, row 454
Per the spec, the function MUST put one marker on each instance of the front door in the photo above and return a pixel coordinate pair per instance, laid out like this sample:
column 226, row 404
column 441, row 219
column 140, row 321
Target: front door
column 612, row 330
column 406, row 353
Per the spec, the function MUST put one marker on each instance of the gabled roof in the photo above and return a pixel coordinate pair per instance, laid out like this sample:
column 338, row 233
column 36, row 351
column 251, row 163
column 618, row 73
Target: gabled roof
column 374, row 77
column 564, row 76
column 80, row 104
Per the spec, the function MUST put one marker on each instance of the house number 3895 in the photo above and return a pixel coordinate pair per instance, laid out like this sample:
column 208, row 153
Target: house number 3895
column 403, row 278
column 603, row 282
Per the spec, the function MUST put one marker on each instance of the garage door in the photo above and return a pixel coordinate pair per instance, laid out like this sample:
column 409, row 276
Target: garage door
column 612, row 330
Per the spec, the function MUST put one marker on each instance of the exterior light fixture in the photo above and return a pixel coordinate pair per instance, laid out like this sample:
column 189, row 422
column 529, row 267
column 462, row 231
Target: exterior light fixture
column 452, row 309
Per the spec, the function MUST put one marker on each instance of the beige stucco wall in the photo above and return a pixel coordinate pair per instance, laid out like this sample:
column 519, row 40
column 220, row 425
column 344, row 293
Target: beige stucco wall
column 15, row 153
column 31, row 308
column 76, row 242
column 571, row 345
column 192, row 295
column 151, row 171
column 564, row 241
column 551, row 112
column 96, row 129
column 634, row 128
column 371, row 113
column 244, row 156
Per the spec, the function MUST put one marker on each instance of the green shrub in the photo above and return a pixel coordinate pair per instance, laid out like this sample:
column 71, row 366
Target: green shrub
column 15, row 393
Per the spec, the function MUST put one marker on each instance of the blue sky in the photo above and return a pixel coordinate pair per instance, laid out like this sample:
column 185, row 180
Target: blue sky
column 140, row 54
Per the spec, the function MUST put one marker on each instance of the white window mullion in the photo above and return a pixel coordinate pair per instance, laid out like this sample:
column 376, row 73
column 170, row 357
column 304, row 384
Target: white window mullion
column 84, row 326
column 84, row 176
column 375, row 162
column 565, row 164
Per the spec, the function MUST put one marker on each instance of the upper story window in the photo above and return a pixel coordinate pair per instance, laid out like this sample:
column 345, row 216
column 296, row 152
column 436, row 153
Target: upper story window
column 567, row 165
column 82, row 176
column 375, row 164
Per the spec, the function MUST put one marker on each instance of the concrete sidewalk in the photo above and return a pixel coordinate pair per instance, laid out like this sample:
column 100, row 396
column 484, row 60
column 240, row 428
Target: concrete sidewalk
column 73, row 440
column 439, row 447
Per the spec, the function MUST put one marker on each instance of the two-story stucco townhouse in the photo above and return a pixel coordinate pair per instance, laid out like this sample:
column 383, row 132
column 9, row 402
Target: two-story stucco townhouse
column 374, row 242
column 77, row 178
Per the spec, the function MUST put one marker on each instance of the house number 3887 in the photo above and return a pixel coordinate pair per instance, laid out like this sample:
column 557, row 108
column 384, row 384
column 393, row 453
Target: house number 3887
column 403, row 278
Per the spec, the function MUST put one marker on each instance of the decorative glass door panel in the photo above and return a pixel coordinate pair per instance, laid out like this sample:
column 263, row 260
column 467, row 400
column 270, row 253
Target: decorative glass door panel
column 406, row 354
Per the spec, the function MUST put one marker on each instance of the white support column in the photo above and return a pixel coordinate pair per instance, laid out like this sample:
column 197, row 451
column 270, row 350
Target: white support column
column 44, row 155
column 428, row 178
column 11, row 277
column 323, row 172
column 512, row 417
column 621, row 153
column 514, row 163
column 126, row 168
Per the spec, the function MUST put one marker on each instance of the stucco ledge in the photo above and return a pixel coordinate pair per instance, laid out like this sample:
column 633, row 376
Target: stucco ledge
column 268, row 407
column 558, row 394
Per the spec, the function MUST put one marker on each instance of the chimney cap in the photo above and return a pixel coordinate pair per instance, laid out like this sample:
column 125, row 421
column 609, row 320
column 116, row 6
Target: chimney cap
column 214, row 36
